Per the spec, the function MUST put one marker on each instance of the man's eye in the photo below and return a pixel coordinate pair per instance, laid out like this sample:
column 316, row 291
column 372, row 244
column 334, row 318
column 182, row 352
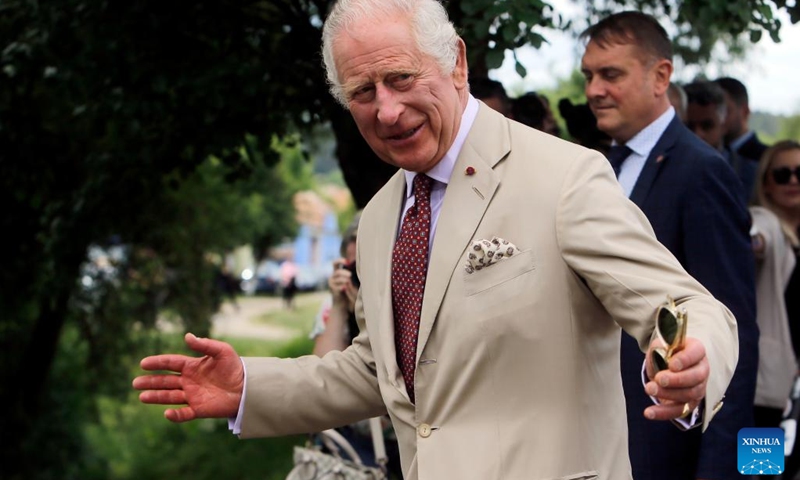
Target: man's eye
column 401, row 79
column 361, row 92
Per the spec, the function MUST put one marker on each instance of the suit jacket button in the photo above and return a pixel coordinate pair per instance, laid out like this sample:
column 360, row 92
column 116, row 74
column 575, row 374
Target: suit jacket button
column 424, row 430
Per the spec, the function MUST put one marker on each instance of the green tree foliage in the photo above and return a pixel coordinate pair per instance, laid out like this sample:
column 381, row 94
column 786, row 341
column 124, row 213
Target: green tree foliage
column 107, row 111
column 697, row 26
column 790, row 129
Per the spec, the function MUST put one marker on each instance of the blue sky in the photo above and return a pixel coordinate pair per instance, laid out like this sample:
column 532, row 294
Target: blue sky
column 770, row 71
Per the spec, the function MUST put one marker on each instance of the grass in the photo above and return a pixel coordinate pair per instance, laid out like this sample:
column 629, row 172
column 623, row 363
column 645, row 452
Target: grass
column 301, row 318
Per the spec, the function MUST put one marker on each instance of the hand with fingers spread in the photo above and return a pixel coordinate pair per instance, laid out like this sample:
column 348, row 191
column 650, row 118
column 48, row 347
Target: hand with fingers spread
column 209, row 386
column 681, row 387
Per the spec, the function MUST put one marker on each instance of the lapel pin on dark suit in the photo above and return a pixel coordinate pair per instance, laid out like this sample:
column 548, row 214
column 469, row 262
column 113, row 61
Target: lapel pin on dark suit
column 659, row 158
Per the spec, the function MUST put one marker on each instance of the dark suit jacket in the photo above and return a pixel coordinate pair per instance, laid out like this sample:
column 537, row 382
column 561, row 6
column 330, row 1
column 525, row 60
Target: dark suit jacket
column 745, row 169
column 689, row 194
column 752, row 149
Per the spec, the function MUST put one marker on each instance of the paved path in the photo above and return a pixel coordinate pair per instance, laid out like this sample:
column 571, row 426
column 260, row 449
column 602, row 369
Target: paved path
column 243, row 322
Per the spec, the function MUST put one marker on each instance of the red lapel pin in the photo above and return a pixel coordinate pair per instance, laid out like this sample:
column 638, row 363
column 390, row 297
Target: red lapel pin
column 470, row 171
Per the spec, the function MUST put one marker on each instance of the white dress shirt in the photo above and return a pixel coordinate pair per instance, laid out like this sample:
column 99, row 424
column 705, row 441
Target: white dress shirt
column 641, row 145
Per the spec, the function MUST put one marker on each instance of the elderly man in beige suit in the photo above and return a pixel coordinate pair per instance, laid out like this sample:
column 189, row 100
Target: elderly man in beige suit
column 514, row 370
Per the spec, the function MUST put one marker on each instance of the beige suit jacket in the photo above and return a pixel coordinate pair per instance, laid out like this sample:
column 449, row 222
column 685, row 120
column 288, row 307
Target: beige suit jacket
column 518, row 364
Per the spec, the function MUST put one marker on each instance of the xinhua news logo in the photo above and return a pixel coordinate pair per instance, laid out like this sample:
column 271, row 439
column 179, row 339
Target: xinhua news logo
column 761, row 451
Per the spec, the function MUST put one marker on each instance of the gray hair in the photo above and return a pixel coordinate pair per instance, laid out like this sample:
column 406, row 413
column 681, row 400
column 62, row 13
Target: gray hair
column 435, row 35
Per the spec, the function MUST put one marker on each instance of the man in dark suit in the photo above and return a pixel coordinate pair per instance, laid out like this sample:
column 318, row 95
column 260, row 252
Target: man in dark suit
column 738, row 135
column 690, row 196
column 705, row 116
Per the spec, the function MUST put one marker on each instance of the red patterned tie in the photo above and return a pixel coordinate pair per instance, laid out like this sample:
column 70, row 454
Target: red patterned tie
column 409, row 269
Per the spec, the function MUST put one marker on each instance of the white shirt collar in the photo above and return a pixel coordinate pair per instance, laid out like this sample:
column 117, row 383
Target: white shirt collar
column 441, row 171
column 645, row 141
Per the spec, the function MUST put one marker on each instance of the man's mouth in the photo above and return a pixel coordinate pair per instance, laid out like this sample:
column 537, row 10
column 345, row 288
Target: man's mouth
column 406, row 134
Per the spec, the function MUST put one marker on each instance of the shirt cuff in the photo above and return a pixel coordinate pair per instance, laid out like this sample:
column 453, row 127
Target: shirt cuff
column 235, row 423
column 688, row 423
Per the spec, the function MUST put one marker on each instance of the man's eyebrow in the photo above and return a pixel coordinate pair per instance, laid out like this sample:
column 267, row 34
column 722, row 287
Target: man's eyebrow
column 352, row 86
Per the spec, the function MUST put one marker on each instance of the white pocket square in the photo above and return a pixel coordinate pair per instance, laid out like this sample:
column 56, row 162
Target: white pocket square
column 483, row 253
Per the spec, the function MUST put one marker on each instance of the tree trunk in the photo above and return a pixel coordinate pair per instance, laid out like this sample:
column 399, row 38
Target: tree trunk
column 21, row 398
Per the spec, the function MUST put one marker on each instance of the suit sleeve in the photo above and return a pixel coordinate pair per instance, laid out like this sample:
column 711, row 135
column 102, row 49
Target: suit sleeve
column 609, row 243
column 311, row 394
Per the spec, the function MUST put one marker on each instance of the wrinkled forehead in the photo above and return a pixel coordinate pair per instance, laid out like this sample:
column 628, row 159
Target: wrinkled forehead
column 370, row 27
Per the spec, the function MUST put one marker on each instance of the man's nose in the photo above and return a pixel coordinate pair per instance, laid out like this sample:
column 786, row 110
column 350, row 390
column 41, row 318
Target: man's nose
column 594, row 88
column 389, row 105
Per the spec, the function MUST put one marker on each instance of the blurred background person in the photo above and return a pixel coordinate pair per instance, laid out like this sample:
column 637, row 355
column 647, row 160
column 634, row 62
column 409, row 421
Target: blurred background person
column 738, row 135
column 550, row 124
column 334, row 329
column 492, row 93
column 677, row 97
column 582, row 126
column 705, row 116
column 529, row 109
column 335, row 326
column 288, row 283
column 775, row 243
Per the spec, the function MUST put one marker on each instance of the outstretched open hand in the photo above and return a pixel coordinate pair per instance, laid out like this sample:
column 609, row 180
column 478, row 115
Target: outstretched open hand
column 210, row 386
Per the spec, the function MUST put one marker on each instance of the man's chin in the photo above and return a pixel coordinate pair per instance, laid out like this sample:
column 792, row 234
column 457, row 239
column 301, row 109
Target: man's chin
column 606, row 126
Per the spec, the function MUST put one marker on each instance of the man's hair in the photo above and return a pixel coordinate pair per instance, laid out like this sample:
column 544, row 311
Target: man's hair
column 707, row 93
column 483, row 87
column 582, row 125
column 433, row 32
column 631, row 28
column 529, row 110
column 735, row 89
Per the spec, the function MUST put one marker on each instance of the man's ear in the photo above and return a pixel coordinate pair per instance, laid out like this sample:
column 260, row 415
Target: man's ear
column 662, row 71
column 460, row 72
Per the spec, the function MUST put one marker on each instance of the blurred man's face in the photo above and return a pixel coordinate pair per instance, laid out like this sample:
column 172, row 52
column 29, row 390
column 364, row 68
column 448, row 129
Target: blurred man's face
column 735, row 124
column 625, row 92
column 498, row 105
column 706, row 123
column 408, row 111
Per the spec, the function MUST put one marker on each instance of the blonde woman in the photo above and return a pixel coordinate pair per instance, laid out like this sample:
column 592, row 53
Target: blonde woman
column 776, row 219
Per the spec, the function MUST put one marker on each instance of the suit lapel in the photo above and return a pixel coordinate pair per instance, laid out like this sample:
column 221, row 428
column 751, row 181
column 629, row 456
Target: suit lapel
column 465, row 202
column 658, row 156
column 390, row 204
